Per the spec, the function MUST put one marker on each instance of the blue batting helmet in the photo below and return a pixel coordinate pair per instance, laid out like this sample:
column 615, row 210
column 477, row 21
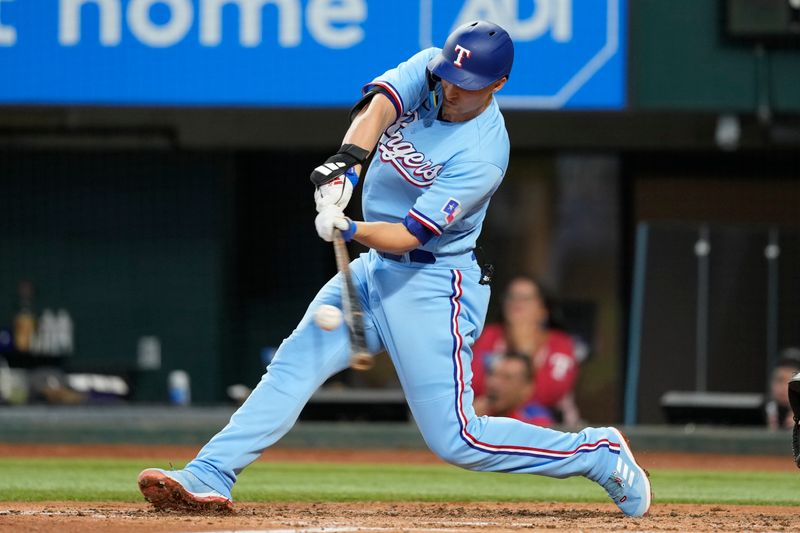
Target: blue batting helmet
column 474, row 56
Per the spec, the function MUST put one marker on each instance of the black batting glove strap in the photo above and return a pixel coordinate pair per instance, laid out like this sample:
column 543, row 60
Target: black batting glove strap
column 348, row 156
column 365, row 100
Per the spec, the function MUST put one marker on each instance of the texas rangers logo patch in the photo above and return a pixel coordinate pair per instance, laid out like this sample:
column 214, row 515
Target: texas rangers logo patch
column 451, row 210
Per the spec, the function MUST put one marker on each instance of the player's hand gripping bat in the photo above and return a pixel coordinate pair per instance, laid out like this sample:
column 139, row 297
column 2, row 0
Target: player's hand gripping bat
column 360, row 358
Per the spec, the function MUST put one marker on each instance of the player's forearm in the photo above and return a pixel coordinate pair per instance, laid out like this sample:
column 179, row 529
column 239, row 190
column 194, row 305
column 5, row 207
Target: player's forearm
column 371, row 122
column 388, row 237
column 359, row 141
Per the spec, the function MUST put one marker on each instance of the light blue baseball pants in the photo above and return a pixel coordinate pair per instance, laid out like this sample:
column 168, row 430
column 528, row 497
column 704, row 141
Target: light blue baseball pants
column 426, row 317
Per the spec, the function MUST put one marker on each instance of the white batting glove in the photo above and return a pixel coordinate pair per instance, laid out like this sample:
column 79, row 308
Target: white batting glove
column 330, row 218
column 336, row 192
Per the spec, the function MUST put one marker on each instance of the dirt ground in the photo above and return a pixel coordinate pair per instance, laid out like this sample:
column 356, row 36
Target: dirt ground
column 73, row 517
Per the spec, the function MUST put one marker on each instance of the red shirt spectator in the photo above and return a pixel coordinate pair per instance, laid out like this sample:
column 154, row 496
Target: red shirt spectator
column 556, row 368
column 509, row 386
column 527, row 329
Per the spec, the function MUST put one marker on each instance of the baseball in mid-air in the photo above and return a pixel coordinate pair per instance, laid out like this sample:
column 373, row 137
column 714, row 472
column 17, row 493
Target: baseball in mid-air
column 328, row 317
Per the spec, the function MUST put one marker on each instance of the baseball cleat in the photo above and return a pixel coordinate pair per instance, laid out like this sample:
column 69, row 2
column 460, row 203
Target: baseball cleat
column 182, row 491
column 628, row 484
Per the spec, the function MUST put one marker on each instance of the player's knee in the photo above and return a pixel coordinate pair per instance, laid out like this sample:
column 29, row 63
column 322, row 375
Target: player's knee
column 455, row 451
column 447, row 451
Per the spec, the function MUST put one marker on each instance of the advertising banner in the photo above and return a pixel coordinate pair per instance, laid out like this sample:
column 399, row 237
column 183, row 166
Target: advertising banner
column 293, row 53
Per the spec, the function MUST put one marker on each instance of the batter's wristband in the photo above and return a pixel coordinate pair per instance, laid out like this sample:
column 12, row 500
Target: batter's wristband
column 350, row 232
column 351, row 175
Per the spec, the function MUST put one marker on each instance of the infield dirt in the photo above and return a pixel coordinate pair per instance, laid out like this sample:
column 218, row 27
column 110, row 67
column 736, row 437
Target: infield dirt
column 71, row 517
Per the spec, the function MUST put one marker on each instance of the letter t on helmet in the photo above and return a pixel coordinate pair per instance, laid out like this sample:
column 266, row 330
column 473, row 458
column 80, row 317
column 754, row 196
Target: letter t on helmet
column 474, row 56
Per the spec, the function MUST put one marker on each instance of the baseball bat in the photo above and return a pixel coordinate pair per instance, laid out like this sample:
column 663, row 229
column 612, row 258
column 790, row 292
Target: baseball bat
column 360, row 358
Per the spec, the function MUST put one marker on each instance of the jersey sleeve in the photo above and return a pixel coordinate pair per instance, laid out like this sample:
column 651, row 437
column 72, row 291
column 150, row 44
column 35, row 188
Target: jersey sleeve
column 456, row 193
column 405, row 85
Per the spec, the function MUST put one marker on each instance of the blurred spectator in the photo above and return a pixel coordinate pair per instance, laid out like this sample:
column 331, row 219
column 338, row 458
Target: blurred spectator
column 528, row 328
column 509, row 388
column 24, row 320
column 779, row 413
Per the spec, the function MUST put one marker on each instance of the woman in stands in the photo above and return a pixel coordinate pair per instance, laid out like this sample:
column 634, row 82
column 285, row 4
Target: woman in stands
column 528, row 328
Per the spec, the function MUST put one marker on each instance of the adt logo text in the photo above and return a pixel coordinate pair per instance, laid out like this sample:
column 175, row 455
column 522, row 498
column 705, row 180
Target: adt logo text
column 547, row 16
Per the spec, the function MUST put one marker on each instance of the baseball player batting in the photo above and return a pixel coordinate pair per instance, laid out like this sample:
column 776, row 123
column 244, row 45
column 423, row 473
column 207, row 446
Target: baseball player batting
column 441, row 151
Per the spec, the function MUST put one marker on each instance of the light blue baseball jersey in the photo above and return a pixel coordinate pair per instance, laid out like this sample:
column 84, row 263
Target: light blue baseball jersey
column 434, row 176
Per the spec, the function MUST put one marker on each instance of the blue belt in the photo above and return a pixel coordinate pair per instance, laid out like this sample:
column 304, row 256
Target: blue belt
column 414, row 256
